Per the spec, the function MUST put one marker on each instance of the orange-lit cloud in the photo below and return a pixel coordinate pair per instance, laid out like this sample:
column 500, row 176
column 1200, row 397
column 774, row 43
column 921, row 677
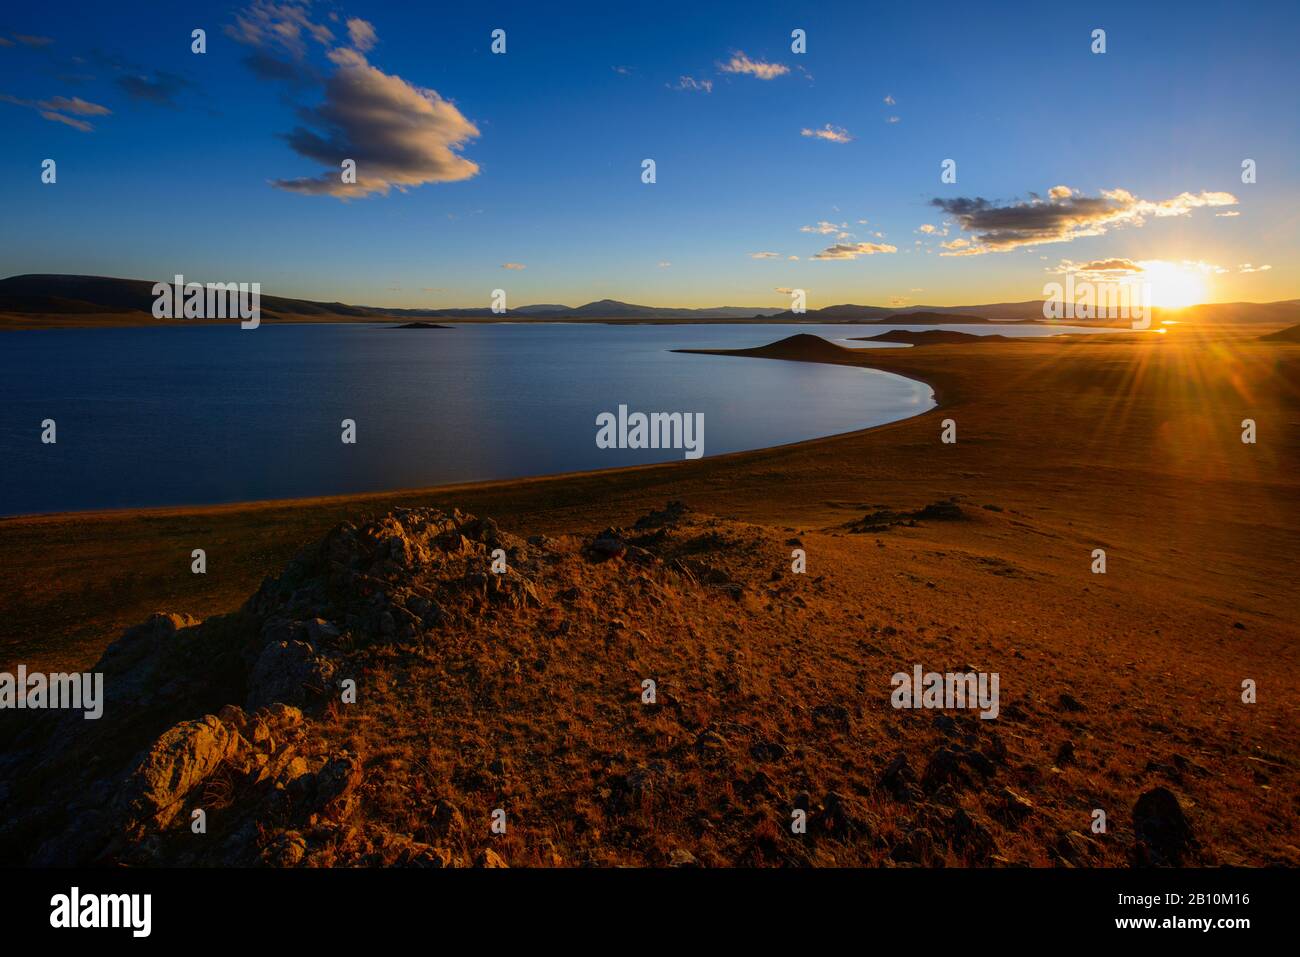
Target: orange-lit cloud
column 1065, row 215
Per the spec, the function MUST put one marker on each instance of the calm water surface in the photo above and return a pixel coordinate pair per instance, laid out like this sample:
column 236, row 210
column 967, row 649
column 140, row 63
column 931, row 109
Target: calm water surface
column 213, row 414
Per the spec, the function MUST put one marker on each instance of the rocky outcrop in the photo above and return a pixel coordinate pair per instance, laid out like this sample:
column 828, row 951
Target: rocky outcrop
column 252, row 752
column 177, row 763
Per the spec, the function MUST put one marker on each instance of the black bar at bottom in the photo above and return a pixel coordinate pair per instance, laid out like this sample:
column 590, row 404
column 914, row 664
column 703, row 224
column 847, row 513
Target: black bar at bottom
column 535, row 906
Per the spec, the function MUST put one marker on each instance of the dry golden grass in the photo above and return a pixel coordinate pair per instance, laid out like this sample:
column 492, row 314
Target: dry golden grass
column 1129, row 444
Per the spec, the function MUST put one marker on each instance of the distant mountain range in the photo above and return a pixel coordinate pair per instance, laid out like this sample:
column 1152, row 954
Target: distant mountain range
column 57, row 299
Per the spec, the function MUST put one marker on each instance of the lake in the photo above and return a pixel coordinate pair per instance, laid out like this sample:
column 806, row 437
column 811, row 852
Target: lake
column 209, row 414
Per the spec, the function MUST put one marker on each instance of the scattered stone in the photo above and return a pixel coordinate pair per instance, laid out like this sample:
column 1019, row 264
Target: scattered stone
column 608, row 544
column 447, row 821
column 672, row 514
column 710, row 743
column 844, row 817
column 286, row 849
column 1075, row 848
column 1162, row 828
column 945, row 767
column 832, row 715
column 767, row 751
column 287, row 672
column 899, row 781
column 1068, row 702
column 1013, row 808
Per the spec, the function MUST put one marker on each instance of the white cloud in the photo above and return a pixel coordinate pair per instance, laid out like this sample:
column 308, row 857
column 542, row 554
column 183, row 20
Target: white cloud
column 55, row 108
column 76, row 104
column 740, row 63
column 268, row 24
column 400, row 135
column 1064, row 216
column 824, row 228
column 68, row 120
column 690, row 83
column 362, row 34
column 835, row 134
column 854, row 250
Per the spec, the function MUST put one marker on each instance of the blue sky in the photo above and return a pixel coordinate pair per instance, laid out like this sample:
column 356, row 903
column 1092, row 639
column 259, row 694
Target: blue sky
column 533, row 158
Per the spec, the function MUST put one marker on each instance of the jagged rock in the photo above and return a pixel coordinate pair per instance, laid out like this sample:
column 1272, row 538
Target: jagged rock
column 835, row 715
column 942, row 511
column 608, row 544
column 845, row 817
column 447, row 821
column 509, row 588
column 177, row 763
column 917, row 847
column 287, row 672
column 268, row 768
column 295, row 768
column 680, row 857
column 402, row 850
column 331, row 791
column 1075, row 848
column 965, row 835
column 489, row 858
column 233, row 716
column 137, row 667
column 899, row 780
column 671, row 514
column 320, row 631
column 281, row 716
column 767, row 751
column 1162, row 828
column 286, row 849
column 640, row 556
column 945, row 767
column 1013, row 808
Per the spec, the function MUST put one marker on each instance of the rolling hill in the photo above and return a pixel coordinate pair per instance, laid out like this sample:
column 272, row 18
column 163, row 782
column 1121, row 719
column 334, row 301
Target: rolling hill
column 61, row 300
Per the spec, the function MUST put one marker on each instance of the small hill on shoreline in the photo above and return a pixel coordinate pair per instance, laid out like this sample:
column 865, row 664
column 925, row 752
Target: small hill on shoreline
column 1290, row 334
column 802, row 347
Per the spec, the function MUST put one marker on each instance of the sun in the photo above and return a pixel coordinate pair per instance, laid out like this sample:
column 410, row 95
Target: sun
column 1173, row 286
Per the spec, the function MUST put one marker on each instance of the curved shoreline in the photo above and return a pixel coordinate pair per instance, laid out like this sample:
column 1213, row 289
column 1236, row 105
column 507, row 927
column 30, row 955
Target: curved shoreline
column 343, row 498
column 1031, row 419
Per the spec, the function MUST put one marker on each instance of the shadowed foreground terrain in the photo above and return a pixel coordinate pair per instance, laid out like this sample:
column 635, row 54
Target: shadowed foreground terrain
column 523, row 691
